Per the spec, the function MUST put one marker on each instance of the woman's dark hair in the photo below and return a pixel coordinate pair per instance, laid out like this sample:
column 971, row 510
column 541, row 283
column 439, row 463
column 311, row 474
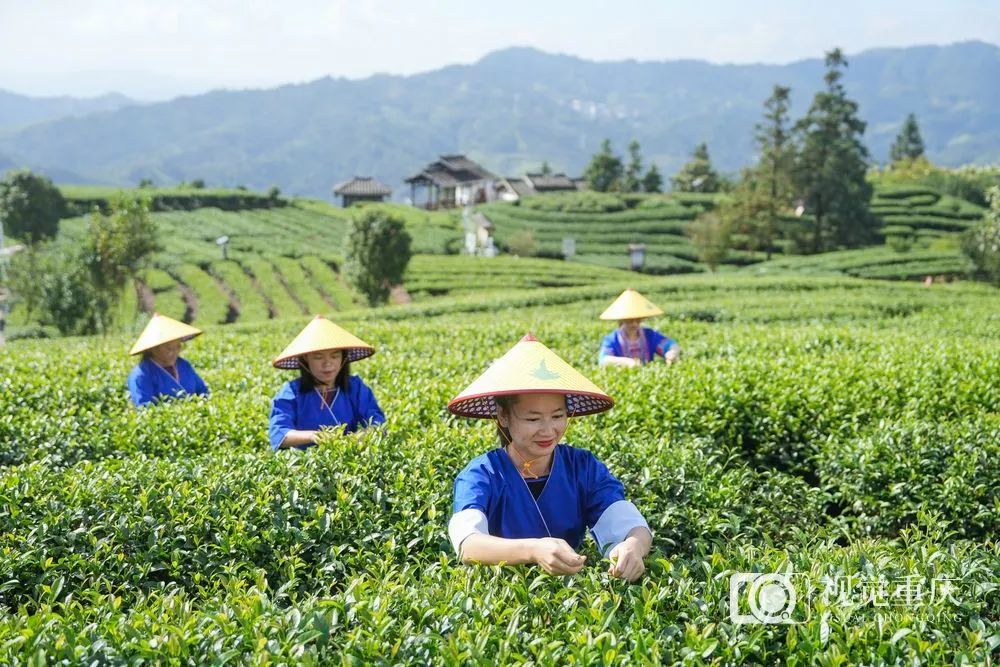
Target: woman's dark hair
column 505, row 402
column 308, row 382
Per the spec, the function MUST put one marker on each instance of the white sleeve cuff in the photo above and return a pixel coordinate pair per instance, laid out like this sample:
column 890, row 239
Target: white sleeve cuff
column 465, row 523
column 615, row 524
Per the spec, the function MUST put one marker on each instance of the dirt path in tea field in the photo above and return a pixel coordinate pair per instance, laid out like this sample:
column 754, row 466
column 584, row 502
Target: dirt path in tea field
column 144, row 295
column 272, row 312
column 291, row 293
column 317, row 285
column 234, row 309
column 189, row 297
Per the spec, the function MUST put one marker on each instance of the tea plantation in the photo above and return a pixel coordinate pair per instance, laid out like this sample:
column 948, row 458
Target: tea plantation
column 284, row 255
column 919, row 225
column 839, row 429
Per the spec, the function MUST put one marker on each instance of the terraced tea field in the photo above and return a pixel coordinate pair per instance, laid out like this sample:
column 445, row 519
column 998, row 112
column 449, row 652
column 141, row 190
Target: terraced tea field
column 603, row 226
column 284, row 256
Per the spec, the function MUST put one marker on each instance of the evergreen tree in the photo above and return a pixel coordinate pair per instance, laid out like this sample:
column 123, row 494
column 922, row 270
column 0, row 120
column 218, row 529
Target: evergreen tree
column 604, row 172
column 30, row 208
column 909, row 145
column 830, row 170
column 768, row 186
column 633, row 171
column 652, row 181
column 546, row 169
column 697, row 175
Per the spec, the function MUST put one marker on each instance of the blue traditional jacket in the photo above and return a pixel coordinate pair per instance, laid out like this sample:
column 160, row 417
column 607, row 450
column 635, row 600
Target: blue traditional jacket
column 353, row 408
column 492, row 497
column 149, row 383
column 615, row 345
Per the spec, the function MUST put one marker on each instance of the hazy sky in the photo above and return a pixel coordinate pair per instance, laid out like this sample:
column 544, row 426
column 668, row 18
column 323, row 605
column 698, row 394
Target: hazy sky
column 156, row 50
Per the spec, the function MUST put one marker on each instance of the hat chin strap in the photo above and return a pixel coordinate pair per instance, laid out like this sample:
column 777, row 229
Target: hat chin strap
column 525, row 464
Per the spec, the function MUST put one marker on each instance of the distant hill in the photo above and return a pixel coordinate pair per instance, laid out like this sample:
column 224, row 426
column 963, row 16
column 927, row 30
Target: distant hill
column 19, row 111
column 511, row 110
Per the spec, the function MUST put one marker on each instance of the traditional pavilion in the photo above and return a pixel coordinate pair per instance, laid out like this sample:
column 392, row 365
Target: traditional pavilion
column 361, row 188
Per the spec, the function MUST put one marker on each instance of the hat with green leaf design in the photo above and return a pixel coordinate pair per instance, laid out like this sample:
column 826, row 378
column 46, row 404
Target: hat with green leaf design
column 530, row 368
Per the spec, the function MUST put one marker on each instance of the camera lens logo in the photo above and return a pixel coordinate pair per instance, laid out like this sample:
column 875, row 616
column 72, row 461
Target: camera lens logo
column 756, row 597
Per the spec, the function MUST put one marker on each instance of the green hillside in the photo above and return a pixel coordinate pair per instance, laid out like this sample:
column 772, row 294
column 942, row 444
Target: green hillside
column 603, row 225
column 812, row 426
column 921, row 229
column 285, row 255
column 285, row 262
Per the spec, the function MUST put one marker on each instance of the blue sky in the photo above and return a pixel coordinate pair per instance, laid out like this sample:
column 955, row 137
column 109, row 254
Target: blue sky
column 158, row 49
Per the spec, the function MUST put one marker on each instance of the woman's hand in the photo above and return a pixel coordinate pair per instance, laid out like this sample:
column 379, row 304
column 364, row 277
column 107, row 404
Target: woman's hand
column 626, row 560
column 556, row 556
column 671, row 356
column 297, row 438
column 628, row 362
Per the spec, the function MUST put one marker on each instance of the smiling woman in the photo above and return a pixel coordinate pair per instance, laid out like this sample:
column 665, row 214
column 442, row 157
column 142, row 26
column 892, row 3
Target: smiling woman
column 532, row 499
column 326, row 395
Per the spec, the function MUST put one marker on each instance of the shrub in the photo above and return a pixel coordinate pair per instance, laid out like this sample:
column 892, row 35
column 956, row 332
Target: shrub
column 522, row 244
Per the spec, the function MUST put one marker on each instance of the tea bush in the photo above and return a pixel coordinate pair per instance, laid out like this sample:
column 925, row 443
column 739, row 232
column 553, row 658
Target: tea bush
column 836, row 428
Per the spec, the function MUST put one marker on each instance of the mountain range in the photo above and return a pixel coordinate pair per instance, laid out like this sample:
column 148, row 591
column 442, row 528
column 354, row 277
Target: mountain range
column 510, row 111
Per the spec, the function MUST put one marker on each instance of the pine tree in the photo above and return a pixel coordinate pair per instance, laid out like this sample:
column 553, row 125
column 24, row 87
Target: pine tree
column 909, row 145
column 769, row 183
column 697, row 175
column 830, row 170
column 652, row 181
column 605, row 169
column 631, row 182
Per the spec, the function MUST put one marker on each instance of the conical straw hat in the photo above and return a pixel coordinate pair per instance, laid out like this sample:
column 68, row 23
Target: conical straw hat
column 630, row 306
column 530, row 368
column 322, row 334
column 162, row 329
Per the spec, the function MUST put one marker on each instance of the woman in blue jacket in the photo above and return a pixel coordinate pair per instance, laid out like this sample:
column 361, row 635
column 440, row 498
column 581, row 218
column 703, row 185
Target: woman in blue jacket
column 533, row 498
column 325, row 395
column 632, row 344
column 162, row 372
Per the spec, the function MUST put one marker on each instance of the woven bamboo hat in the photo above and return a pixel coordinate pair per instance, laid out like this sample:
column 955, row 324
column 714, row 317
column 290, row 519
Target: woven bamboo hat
column 162, row 329
column 322, row 334
column 630, row 306
column 530, row 368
